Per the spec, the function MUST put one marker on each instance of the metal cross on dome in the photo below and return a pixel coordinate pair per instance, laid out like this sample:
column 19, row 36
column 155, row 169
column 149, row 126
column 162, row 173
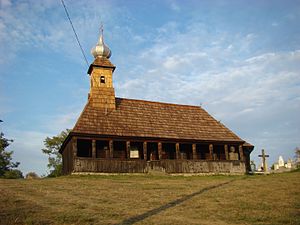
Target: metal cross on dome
column 101, row 28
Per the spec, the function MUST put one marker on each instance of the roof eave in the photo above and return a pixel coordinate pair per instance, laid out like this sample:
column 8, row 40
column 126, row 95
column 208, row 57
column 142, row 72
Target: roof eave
column 147, row 138
column 66, row 141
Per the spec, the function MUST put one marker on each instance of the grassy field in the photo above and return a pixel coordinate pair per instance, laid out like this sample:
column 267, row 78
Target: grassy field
column 271, row 199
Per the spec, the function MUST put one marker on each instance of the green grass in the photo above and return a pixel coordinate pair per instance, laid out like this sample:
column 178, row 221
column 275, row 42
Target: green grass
column 272, row 199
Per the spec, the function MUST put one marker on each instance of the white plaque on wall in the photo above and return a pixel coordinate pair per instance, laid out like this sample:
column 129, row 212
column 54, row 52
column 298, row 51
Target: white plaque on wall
column 134, row 154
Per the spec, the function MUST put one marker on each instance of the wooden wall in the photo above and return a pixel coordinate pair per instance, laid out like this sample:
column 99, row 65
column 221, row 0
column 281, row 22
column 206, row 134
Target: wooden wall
column 167, row 166
column 109, row 166
column 67, row 158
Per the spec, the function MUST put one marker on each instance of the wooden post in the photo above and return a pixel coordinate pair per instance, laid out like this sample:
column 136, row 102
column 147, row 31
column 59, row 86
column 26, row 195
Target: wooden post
column 177, row 151
column 211, row 153
column 241, row 152
column 128, row 149
column 226, row 152
column 159, row 150
column 145, row 150
column 194, row 151
column 93, row 149
column 111, row 149
column 74, row 145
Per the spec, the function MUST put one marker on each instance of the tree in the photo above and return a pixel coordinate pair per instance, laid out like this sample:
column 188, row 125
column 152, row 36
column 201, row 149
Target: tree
column 52, row 146
column 13, row 174
column 6, row 163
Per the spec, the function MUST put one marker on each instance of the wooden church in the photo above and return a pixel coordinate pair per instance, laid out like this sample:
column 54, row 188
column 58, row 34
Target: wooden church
column 119, row 135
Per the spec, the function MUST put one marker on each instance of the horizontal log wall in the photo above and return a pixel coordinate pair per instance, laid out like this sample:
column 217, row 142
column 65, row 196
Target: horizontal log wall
column 67, row 158
column 109, row 166
column 167, row 166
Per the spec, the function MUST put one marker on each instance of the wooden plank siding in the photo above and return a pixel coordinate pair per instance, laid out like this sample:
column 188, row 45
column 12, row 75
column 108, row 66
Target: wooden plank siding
column 167, row 166
column 109, row 166
column 67, row 159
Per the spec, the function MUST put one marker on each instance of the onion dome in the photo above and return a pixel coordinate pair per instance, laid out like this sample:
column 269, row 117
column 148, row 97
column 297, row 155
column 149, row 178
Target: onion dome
column 101, row 50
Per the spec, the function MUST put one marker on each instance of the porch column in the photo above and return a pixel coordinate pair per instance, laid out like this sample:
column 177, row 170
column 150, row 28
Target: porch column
column 226, row 151
column 127, row 149
column 211, row 153
column 111, row 149
column 145, row 150
column 241, row 152
column 93, row 149
column 159, row 146
column 177, row 151
column 74, row 146
column 194, row 151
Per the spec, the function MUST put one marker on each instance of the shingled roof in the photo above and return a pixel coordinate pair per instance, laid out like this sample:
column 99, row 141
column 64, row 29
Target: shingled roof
column 101, row 62
column 146, row 119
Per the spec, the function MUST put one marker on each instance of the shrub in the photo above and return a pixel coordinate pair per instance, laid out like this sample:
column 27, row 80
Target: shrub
column 13, row 174
column 32, row 175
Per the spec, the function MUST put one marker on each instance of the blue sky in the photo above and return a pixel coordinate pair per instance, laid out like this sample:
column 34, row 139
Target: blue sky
column 240, row 60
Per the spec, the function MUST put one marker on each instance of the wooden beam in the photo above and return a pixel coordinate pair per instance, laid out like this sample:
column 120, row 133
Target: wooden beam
column 177, row 151
column 145, row 150
column 194, row 151
column 241, row 152
column 93, row 149
column 226, row 152
column 74, row 147
column 211, row 152
column 159, row 146
column 128, row 149
column 111, row 149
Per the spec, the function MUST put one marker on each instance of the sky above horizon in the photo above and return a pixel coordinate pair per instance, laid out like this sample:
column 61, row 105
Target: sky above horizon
column 239, row 60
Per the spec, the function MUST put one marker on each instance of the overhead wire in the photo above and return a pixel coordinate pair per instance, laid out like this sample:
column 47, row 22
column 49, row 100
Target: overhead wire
column 82, row 51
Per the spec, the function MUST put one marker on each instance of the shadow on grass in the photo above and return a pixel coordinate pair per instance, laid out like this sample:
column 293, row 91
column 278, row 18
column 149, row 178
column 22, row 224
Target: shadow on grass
column 171, row 204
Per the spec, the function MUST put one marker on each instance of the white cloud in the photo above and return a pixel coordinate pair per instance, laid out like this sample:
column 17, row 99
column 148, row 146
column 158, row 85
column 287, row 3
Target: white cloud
column 43, row 25
column 65, row 120
column 5, row 3
column 174, row 6
column 27, row 147
column 251, row 94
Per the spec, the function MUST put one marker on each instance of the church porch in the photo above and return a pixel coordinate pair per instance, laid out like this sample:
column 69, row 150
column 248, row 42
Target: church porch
column 106, row 155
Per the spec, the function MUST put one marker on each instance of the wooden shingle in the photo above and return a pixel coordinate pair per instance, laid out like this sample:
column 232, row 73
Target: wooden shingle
column 146, row 119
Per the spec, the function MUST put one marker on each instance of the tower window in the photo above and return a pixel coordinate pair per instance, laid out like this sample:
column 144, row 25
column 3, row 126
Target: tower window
column 102, row 80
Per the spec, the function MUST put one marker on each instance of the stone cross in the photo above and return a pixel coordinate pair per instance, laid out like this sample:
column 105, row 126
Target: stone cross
column 264, row 156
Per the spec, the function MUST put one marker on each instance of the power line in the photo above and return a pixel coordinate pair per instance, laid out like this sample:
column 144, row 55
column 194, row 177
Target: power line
column 87, row 63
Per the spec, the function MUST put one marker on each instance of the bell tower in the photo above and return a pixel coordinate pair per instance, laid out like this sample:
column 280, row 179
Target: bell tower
column 102, row 93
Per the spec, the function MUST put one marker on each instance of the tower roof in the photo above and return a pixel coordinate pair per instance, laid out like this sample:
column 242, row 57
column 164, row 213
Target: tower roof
column 101, row 50
column 101, row 53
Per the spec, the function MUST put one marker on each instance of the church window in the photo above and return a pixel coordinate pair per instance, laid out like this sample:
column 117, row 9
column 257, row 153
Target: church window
column 102, row 80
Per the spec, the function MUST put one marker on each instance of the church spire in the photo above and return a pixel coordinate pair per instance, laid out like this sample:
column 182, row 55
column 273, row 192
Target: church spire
column 102, row 93
column 101, row 49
